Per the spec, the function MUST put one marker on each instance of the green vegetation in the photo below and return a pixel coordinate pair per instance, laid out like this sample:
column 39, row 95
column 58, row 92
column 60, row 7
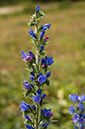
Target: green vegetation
column 12, row 2
column 67, row 46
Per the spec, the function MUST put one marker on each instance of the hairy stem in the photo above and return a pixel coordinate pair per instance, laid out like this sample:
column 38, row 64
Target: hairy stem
column 38, row 68
column 37, row 117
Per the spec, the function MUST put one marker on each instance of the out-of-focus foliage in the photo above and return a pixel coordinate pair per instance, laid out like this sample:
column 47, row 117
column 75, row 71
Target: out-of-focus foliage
column 12, row 2
column 67, row 46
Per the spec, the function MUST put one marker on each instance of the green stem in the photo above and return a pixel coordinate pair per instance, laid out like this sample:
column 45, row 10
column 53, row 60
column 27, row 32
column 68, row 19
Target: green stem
column 37, row 117
column 37, row 47
column 38, row 68
column 79, row 125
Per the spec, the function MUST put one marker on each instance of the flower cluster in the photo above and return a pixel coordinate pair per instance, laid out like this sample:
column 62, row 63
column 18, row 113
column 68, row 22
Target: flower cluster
column 36, row 115
column 78, row 110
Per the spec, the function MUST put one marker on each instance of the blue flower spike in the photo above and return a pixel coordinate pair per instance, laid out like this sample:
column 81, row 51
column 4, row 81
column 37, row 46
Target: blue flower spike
column 77, row 110
column 39, row 74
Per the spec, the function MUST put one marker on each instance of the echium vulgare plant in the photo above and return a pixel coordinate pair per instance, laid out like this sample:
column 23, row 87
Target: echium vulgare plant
column 36, row 116
column 78, row 110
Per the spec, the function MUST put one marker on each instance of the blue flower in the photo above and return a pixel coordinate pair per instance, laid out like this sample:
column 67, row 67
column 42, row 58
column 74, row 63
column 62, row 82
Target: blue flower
column 82, row 110
column 74, row 98
column 81, row 120
column 71, row 110
column 43, row 111
column 80, row 106
column 82, row 98
column 44, row 96
column 76, row 118
column 49, row 61
column 28, row 118
column 32, row 34
column 41, row 79
column 25, row 56
column 76, row 127
column 32, row 73
column 84, row 115
column 28, row 127
column 37, row 9
column 48, row 114
column 43, row 61
column 32, row 78
column 40, row 74
column 27, row 85
column 45, row 125
column 48, row 74
column 82, row 126
column 41, row 48
column 36, row 98
column 39, row 91
column 46, row 26
column 31, row 54
column 34, row 107
column 24, row 106
column 42, row 33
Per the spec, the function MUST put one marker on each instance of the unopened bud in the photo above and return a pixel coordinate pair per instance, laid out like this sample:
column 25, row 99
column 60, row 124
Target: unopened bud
column 47, row 37
column 43, row 66
column 76, row 105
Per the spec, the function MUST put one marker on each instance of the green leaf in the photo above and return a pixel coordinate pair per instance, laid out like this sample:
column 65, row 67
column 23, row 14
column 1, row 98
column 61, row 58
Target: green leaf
column 26, row 94
column 24, row 113
column 54, row 120
column 44, row 103
column 43, row 42
column 50, row 69
column 40, row 28
column 27, row 69
column 31, row 43
column 41, row 14
column 31, row 23
column 42, row 53
column 47, row 82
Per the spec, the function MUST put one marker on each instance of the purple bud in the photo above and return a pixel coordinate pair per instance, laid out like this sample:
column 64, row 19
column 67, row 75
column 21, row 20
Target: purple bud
column 47, row 37
column 29, row 58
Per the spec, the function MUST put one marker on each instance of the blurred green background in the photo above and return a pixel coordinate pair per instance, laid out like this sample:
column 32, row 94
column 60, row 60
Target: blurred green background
column 67, row 46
